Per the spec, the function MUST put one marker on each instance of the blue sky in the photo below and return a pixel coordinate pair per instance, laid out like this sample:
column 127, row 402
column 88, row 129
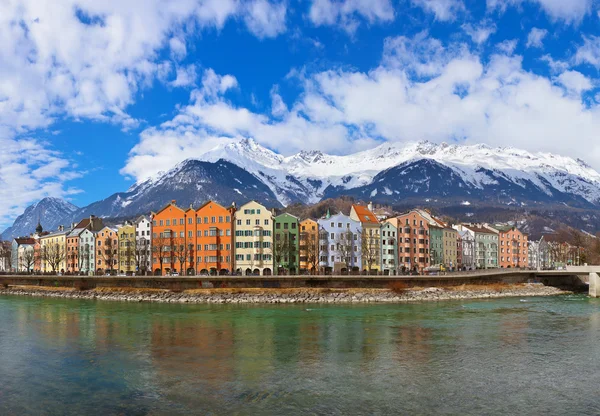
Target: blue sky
column 95, row 96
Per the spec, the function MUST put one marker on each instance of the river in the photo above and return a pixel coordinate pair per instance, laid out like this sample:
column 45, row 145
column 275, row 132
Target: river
column 534, row 356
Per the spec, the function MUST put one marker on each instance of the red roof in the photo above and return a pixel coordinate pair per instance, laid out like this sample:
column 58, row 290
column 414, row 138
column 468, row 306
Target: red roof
column 364, row 215
column 21, row 241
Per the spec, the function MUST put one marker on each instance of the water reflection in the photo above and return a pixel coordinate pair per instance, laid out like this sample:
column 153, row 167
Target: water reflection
column 499, row 356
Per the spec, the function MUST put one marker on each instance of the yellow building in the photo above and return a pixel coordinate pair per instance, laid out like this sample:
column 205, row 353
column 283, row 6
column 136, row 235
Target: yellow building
column 53, row 251
column 253, row 240
column 370, row 238
column 127, row 253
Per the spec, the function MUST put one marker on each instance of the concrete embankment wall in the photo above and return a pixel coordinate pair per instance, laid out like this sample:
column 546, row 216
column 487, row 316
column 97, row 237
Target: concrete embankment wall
column 564, row 280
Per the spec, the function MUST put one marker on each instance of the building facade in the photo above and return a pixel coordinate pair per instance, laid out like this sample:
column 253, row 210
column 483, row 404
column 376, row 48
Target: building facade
column 53, row 251
column 413, row 242
column 389, row 246
column 370, row 239
column 450, row 242
column 107, row 250
column 127, row 248
column 513, row 246
column 436, row 244
column 87, row 252
column 143, row 245
column 168, row 237
column 286, row 244
column 214, row 238
column 340, row 243
column 309, row 248
column 253, row 240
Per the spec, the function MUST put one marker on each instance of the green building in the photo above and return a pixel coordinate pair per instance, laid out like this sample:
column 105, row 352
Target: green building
column 436, row 244
column 286, row 239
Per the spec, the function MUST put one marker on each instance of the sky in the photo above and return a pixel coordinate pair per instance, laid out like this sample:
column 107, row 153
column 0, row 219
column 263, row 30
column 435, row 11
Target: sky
column 98, row 95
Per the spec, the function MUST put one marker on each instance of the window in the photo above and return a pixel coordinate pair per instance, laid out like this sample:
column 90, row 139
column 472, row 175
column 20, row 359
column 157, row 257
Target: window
column 213, row 220
column 228, row 219
column 168, row 222
column 190, row 220
column 198, row 220
column 266, row 222
column 220, row 219
column 248, row 222
column 257, row 222
column 239, row 222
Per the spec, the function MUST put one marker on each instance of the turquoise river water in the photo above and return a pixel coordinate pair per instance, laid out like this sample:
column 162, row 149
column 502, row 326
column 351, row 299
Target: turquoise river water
column 534, row 356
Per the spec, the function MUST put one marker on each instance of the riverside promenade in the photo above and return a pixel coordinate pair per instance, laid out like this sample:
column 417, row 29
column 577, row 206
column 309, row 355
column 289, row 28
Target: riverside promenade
column 573, row 279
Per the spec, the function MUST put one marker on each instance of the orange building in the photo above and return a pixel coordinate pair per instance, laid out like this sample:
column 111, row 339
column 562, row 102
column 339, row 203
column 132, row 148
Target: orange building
column 513, row 250
column 72, row 254
column 413, row 241
column 309, row 246
column 168, row 236
column 192, row 241
column 214, row 239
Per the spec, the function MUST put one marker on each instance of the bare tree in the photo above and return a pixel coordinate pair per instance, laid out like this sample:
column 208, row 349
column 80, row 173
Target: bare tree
column 280, row 250
column 127, row 254
column 53, row 254
column 312, row 249
column 5, row 255
column 110, row 253
column 160, row 245
column 370, row 248
column 142, row 255
column 28, row 259
column 344, row 243
column 180, row 249
column 84, row 258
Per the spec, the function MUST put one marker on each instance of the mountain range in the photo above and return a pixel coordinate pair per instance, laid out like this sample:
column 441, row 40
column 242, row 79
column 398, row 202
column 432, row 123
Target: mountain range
column 419, row 173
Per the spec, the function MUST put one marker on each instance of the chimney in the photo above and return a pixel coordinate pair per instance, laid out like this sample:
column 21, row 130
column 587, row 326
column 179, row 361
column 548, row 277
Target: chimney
column 73, row 225
column 370, row 206
column 61, row 228
column 173, row 201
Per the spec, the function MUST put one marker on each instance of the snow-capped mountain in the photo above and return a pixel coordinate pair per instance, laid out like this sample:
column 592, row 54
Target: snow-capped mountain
column 310, row 176
column 49, row 211
column 416, row 173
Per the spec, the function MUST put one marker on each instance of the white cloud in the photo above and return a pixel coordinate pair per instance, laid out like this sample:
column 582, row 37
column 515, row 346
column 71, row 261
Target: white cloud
column 88, row 59
column 454, row 96
column 185, row 76
column 508, row 46
column 444, row 10
column 555, row 65
column 264, row 19
column 589, row 52
column 535, row 39
column 575, row 82
column 345, row 13
column 481, row 32
column 571, row 11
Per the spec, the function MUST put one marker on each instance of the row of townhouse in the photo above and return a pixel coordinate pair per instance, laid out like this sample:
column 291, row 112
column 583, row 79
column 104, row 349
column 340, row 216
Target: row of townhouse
column 88, row 247
column 252, row 240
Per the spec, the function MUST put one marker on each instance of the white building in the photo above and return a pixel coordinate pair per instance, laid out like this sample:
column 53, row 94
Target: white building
column 143, row 244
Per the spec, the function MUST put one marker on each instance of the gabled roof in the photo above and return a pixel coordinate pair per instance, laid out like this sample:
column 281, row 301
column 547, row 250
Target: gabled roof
column 170, row 204
column 76, row 232
column 364, row 215
column 212, row 202
column 479, row 230
column 25, row 241
column 287, row 214
column 394, row 221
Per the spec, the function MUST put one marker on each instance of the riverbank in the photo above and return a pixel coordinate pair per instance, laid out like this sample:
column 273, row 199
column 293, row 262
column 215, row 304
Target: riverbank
column 235, row 296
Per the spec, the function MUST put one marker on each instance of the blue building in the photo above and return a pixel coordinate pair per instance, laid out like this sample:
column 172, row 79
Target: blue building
column 340, row 243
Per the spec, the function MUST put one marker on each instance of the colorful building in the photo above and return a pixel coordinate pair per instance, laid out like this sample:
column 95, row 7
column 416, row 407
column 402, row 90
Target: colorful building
column 286, row 240
column 107, row 250
column 485, row 245
column 87, row 252
column 72, row 256
column 53, row 251
column 143, row 245
column 389, row 246
column 213, row 241
column 413, row 241
column 370, row 240
column 340, row 242
column 450, row 241
column 309, row 246
column 126, row 234
column 169, row 240
column 513, row 246
column 23, row 257
column 253, row 240
column 436, row 244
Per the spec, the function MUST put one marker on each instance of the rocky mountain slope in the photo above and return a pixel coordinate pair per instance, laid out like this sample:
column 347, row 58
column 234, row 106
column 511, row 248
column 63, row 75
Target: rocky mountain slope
column 421, row 173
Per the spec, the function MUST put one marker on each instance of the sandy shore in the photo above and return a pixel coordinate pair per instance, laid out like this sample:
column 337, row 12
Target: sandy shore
column 271, row 296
